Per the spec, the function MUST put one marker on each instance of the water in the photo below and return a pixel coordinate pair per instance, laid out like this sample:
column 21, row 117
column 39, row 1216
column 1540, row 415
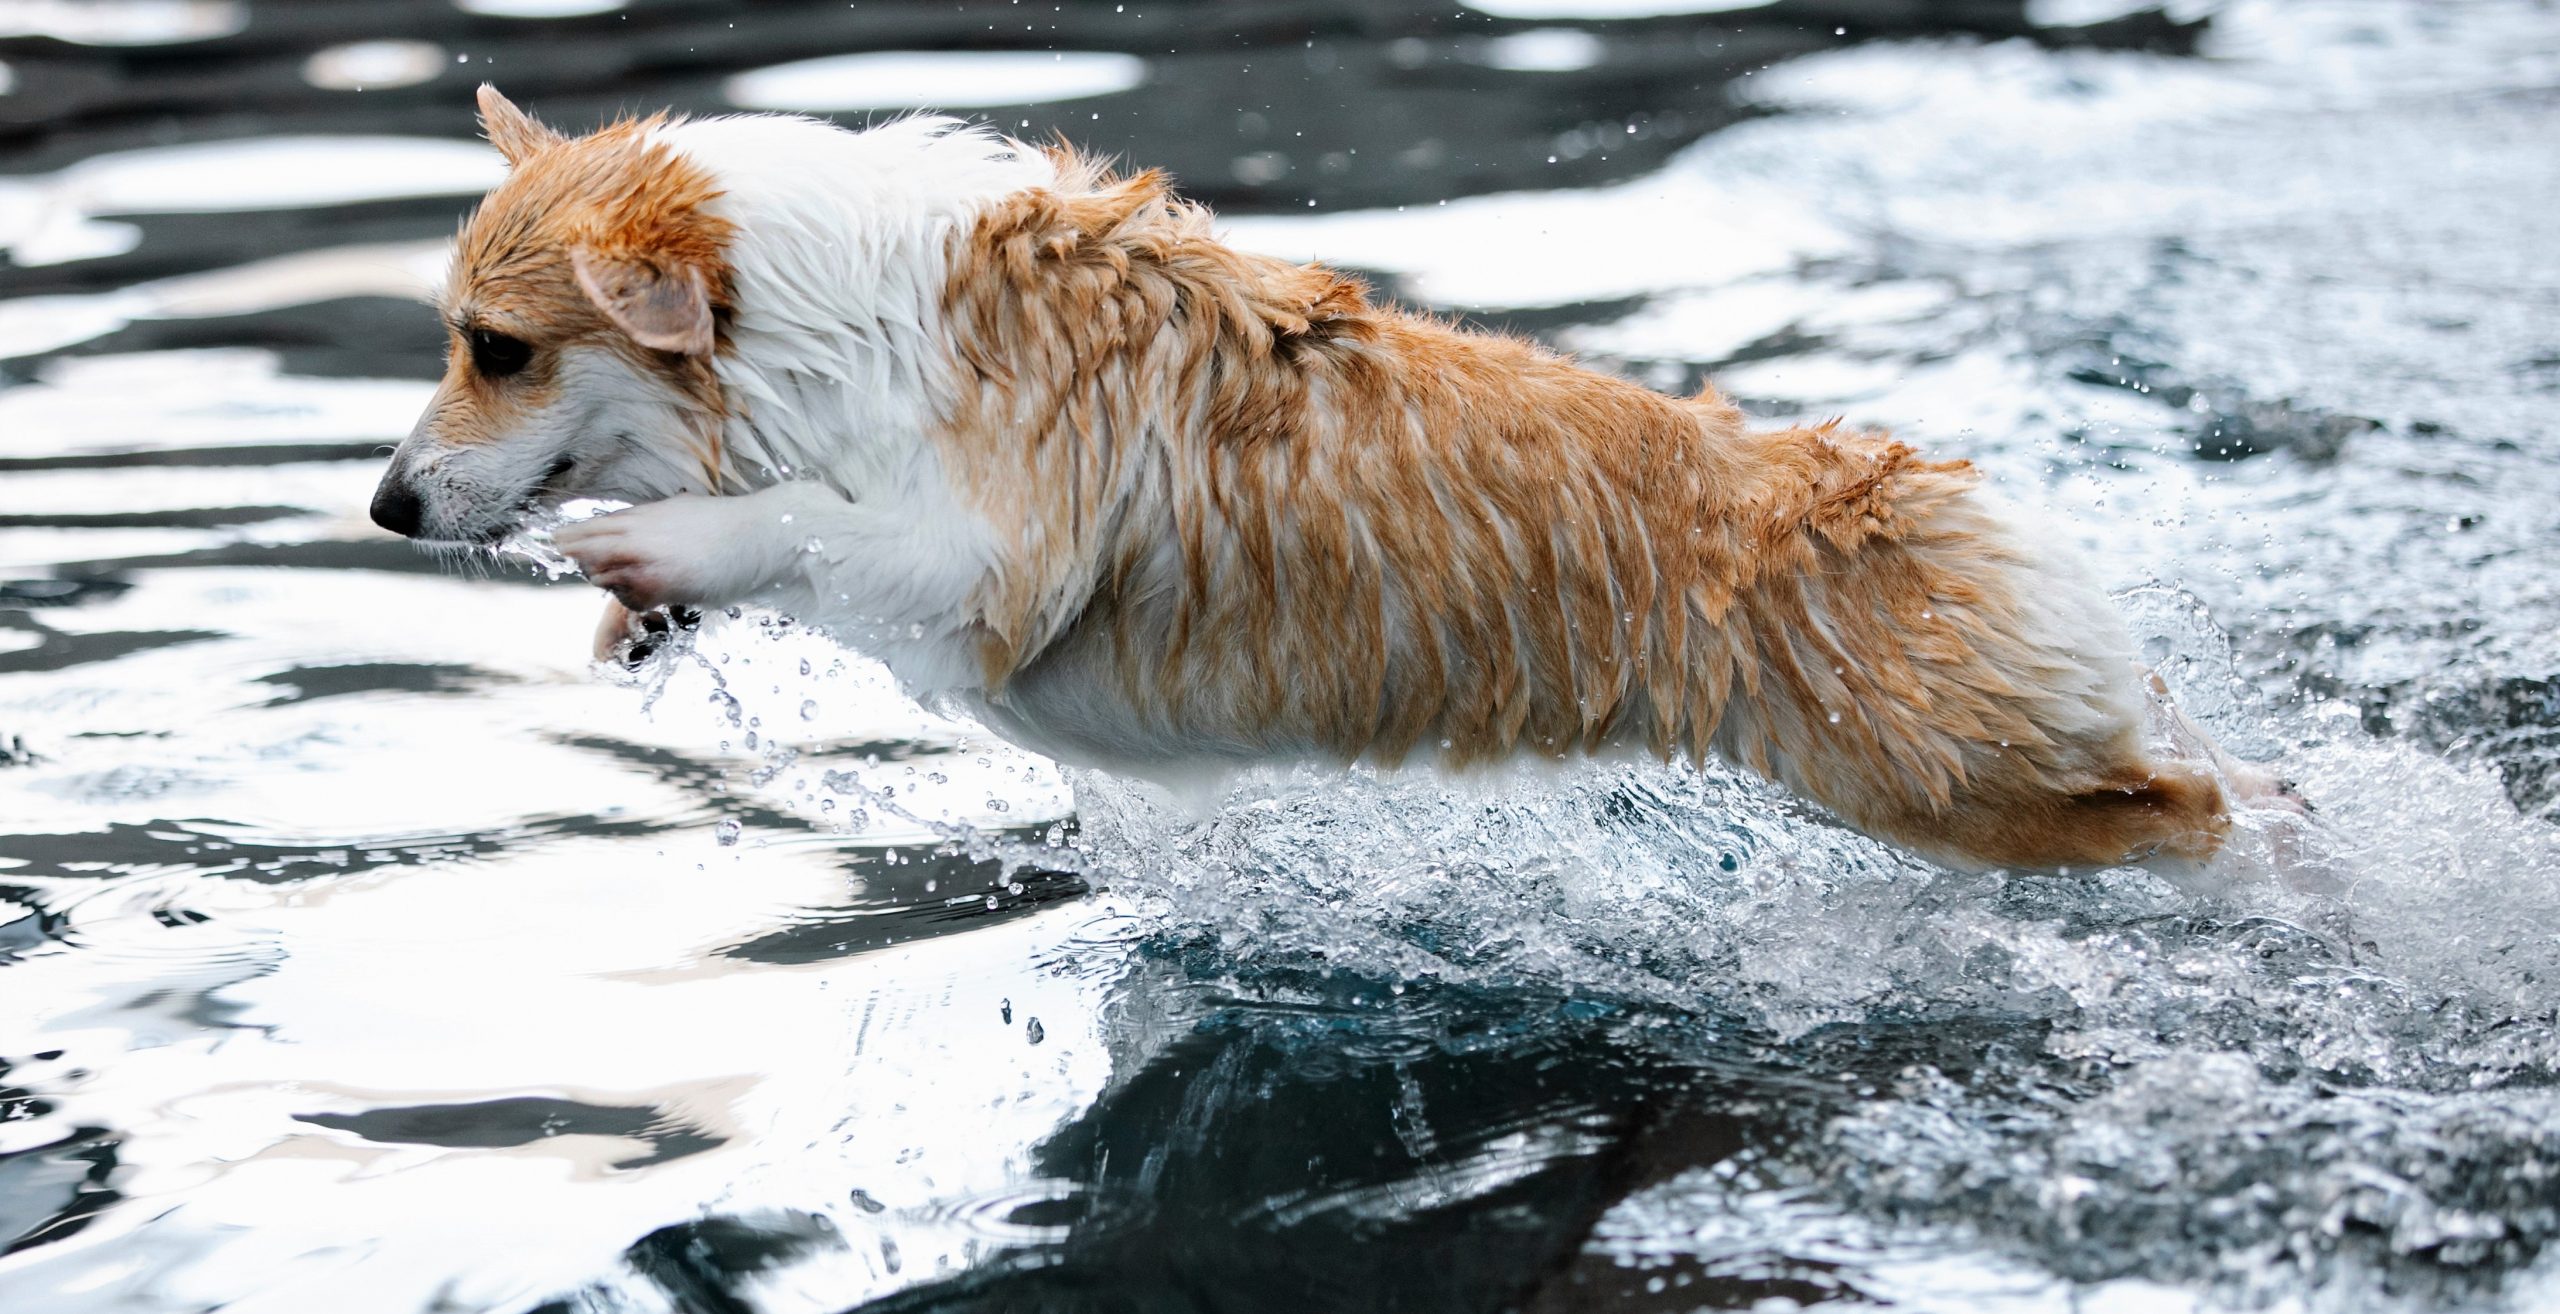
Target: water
column 363, row 947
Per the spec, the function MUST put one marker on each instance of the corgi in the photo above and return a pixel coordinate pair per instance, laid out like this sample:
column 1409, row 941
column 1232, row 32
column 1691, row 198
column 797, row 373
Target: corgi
column 1025, row 430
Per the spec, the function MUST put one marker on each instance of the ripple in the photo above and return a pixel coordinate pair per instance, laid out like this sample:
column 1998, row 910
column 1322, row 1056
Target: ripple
column 1038, row 1211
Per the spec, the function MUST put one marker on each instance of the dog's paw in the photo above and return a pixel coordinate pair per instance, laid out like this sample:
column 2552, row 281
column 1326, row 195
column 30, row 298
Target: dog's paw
column 684, row 551
column 628, row 639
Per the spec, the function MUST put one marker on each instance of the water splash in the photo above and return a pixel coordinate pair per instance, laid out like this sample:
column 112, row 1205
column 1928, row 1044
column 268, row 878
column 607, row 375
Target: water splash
column 2264, row 1090
column 532, row 541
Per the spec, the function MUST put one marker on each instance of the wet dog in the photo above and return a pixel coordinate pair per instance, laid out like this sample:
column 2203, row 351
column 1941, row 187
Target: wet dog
column 1026, row 431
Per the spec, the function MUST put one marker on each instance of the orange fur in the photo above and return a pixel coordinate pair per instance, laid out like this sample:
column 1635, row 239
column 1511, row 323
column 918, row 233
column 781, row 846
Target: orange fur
column 1294, row 519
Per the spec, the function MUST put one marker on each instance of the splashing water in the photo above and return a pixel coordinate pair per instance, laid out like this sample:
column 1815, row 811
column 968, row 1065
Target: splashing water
column 532, row 540
column 2269, row 1091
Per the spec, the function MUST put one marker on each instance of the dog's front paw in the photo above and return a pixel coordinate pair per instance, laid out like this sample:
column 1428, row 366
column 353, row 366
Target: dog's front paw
column 684, row 551
column 629, row 639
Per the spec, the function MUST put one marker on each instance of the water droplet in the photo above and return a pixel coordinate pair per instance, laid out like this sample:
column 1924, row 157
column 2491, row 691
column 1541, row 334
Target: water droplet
column 808, row 709
column 1034, row 1032
column 728, row 830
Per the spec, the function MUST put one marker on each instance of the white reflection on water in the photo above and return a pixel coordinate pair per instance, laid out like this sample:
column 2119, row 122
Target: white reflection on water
column 468, row 973
column 123, row 22
column 214, row 397
column 538, row 8
column 1678, row 228
column 402, row 989
column 1544, row 50
column 52, row 219
column 403, row 270
column 918, row 79
column 1603, row 9
column 361, row 64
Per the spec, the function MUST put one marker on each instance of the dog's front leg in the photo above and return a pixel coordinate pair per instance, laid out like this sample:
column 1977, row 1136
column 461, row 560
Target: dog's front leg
column 700, row 551
column 890, row 574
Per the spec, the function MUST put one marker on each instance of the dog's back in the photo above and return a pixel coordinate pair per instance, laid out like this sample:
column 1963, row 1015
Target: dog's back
column 1255, row 515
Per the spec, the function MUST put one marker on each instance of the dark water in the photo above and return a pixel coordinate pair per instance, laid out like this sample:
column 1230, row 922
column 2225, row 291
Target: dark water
column 361, row 947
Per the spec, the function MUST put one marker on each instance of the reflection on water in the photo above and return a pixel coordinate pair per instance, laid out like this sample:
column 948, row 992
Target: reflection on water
column 361, row 946
column 920, row 79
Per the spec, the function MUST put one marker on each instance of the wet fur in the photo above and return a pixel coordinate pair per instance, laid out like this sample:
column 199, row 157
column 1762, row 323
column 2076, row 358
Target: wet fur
column 1029, row 432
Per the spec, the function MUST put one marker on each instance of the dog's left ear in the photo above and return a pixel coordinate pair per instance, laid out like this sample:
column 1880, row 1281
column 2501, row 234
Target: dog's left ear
column 514, row 132
column 668, row 309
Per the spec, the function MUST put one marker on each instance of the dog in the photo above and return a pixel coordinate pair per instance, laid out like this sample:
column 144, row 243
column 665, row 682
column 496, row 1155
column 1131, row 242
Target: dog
column 1025, row 430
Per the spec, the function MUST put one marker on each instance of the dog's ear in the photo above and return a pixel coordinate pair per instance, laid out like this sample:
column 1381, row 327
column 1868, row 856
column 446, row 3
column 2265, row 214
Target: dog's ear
column 665, row 308
column 511, row 130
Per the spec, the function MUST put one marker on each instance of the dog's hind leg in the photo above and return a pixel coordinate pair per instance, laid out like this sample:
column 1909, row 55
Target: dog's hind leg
column 2251, row 784
column 2273, row 826
column 2171, row 816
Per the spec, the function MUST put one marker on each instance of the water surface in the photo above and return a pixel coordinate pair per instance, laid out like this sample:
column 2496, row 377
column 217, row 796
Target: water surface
column 363, row 947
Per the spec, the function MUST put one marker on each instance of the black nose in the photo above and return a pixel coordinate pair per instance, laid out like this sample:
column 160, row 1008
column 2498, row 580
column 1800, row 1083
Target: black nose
column 396, row 507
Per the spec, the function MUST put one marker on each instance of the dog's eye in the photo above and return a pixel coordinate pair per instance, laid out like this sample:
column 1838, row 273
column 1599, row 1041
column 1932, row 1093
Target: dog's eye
column 495, row 355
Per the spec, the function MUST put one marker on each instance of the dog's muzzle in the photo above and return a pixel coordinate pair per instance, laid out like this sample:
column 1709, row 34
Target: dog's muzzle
column 397, row 507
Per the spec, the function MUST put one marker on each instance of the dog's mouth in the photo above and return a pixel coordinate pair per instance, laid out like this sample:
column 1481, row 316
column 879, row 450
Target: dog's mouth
column 458, row 547
column 550, row 488
column 546, row 493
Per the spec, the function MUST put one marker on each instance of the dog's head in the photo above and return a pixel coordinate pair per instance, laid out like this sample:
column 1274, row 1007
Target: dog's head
column 584, row 308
